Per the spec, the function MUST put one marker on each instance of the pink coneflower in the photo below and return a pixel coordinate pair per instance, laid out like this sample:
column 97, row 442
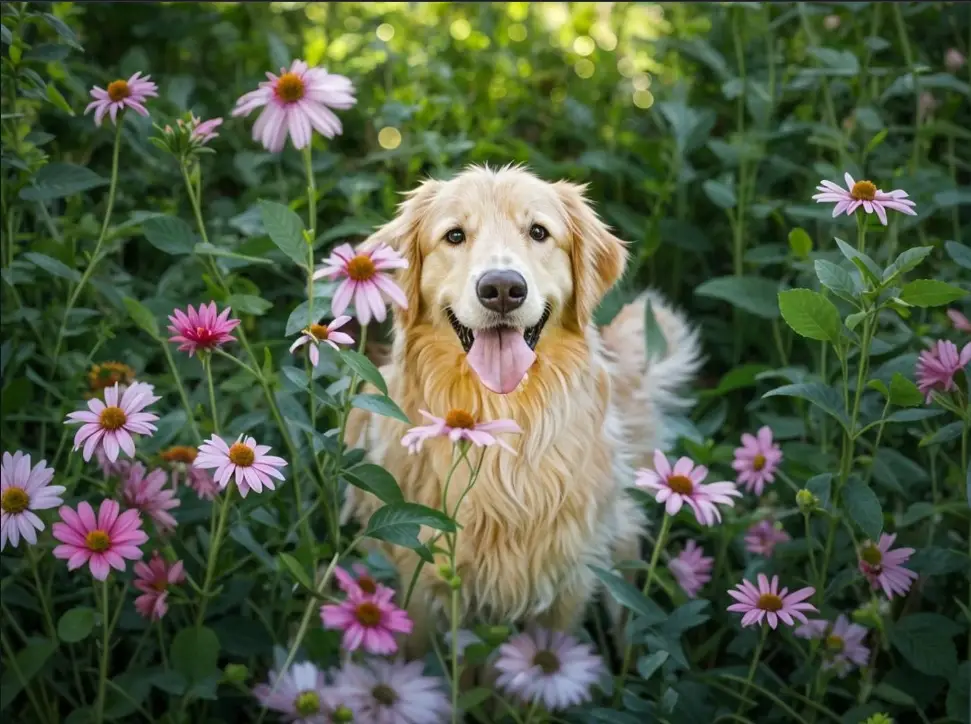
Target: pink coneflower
column 317, row 334
column 550, row 666
column 296, row 103
column 936, row 366
column 756, row 460
column 360, row 581
column 204, row 329
column 691, row 568
column 683, row 484
column 112, row 423
column 769, row 603
column 843, row 643
column 22, row 491
column 954, row 60
column 302, row 695
column 368, row 621
column 148, row 494
column 122, row 94
column 153, row 580
column 459, row 425
column 865, row 194
column 204, row 131
column 181, row 457
column 103, row 542
column 884, row 568
column 762, row 538
column 249, row 461
column 393, row 692
column 365, row 275
column 119, row 467
column 959, row 321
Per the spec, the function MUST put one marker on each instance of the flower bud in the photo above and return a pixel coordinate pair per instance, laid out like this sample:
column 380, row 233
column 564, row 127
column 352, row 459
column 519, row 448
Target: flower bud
column 806, row 501
column 455, row 583
column 445, row 571
column 236, row 673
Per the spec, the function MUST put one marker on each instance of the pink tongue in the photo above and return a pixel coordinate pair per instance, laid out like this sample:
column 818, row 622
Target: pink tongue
column 501, row 358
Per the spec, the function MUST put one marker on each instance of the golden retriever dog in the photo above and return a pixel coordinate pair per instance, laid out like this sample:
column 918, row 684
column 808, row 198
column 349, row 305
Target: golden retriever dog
column 504, row 274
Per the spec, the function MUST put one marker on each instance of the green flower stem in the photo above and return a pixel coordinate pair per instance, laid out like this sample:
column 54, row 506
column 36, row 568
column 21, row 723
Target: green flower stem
column 215, row 539
column 207, row 366
column 24, row 683
column 312, row 235
column 456, row 592
column 752, row 667
column 99, row 706
column 966, row 464
column 42, row 595
column 182, row 394
column 861, row 232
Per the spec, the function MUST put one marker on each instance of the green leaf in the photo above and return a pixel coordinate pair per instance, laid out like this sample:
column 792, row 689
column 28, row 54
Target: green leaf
column 876, row 140
column 400, row 524
column 379, row 405
column 296, row 570
column 930, row 293
column 853, row 320
column 657, row 344
column 942, row 435
column 863, row 507
column 58, row 100
column 249, row 304
column 868, row 268
column 210, row 250
column 75, row 625
column 169, row 234
column 959, row 253
column 647, row 665
column 58, row 180
column 823, row 396
column 810, row 314
column 30, row 660
column 53, row 266
column 364, row 368
column 913, row 415
column 903, row 392
column 473, row 698
column 297, row 376
column 630, row 597
column 820, row 485
column 721, row 194
column 925, row 641
column 904, row 262
column 286, row 231
column 936, row 561
column 375, row 480
column 958, row 701
column 879, row 387
column 63, row 30
column 753, row 294
column 141, row 316
column 800, row 242
column 195, row 653
column 835, row 278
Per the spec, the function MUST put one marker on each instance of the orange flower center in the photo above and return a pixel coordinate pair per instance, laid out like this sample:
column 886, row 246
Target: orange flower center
column 98, row 541
column 547, row 661
column 384, row 694
column 871, row 554
column 769, row 602
column 834, row 644
column 367, row 584
column 108, row 373
column 289, row 88
column 14, row 500
column 361, row 268
column 368, row 614
column 681, row 484
column 460, row 418
column 863, row 191
column 758, row 462
column 112, row 418
column 242, row 455
column 118, row 90
column 318, row 331
column 180, row 454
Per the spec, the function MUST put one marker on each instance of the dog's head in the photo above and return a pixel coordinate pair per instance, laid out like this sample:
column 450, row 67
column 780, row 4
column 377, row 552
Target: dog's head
column 500, row 258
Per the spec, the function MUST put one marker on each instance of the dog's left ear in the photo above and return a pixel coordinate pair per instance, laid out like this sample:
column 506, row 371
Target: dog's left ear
column 598, row 257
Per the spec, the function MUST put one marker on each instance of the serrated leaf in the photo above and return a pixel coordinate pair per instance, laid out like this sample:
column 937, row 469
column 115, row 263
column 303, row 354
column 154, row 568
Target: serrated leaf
column 52, row 266
column 753, row 294
column 960, row 253
column 863, row 508
column 925, row 642
column 930, row 293
column 285, row 230
column 647, row 665
column 375, row 480
column 195, row 653
column 400, row 524
column 170, row 234
column 820, row 486
column 141, row 316
column 823, row 396
column 379, row 405
column 903, row 392
column 364, row 368
column 905, row 261
column 800, row 242
column 75, row 625
column 835, row 278
column 630, row 597
column 868, row 268
column 296, row 570
column 810, row 315
column 58, row 180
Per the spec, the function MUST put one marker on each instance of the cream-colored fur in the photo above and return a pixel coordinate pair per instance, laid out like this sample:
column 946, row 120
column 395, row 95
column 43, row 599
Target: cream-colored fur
column 591, row 407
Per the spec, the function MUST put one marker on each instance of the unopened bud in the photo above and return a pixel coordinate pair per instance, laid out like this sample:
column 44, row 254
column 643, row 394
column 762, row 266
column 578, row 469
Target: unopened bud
column 445, row 571
column 236, row 673
column 806, row 501
column 455, row 583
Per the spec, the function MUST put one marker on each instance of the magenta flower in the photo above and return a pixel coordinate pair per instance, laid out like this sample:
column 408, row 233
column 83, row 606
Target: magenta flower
column 360, row 581
column 205, row 131
column 368, row 621
column 552, row 667
column 959, row 321
column 393, row 692
column 843, row 646
column 769, row 603
column 317, row 334
column 884, row 568
column 153, row 580
column 181, row 457
column 865, row 194
column 22, row 491
column 204, row 329
column 295, row 103
column 148, row 494
column 459, row 425
column 936, row 366
column 112, row 423
column 756, row 460
column 683, row 485
column 691, row 568
column 365, row 278
column 301, row 694
column 104, row 542
column 762, row 538
column 121, row 94
column 254, row 469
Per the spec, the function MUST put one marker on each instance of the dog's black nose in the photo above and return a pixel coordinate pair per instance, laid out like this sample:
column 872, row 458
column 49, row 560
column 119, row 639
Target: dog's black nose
column 501, row 290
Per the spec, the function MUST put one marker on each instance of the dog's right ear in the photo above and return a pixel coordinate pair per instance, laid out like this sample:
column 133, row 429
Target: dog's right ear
column 401, row 234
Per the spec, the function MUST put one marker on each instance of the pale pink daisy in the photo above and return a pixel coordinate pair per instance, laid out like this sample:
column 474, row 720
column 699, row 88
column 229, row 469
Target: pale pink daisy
column 954, row 60
column 119, row 467
column 691, row 568
column 302, row 695
column 181, row 457
column 205, row 329
column 365, row 278
column 104, row 542
column 683, row 485
column 769, row 603
column 111, row 424
column 317, row 334
column 552, row 667
column 936, row 366
column 368, row 621
column 762, row 538
column 122, row 94
column 843, row 646
column 884, row 568
column 296, row 103
column 22, row 491
column 148, row 494
column 865, row 194
column 204, row 131
column 393, row 692
column 254, row 469
column 361, row 580
column 959, row 321
column 153, row 580
column 460, row 425
column 757, row 460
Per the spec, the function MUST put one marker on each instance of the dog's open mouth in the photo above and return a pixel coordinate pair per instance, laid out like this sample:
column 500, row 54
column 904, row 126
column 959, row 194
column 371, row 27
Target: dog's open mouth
column 500, row 356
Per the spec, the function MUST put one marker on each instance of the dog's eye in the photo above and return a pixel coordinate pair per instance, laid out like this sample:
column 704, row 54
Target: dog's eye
column 538, row 233
column 455, row 236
